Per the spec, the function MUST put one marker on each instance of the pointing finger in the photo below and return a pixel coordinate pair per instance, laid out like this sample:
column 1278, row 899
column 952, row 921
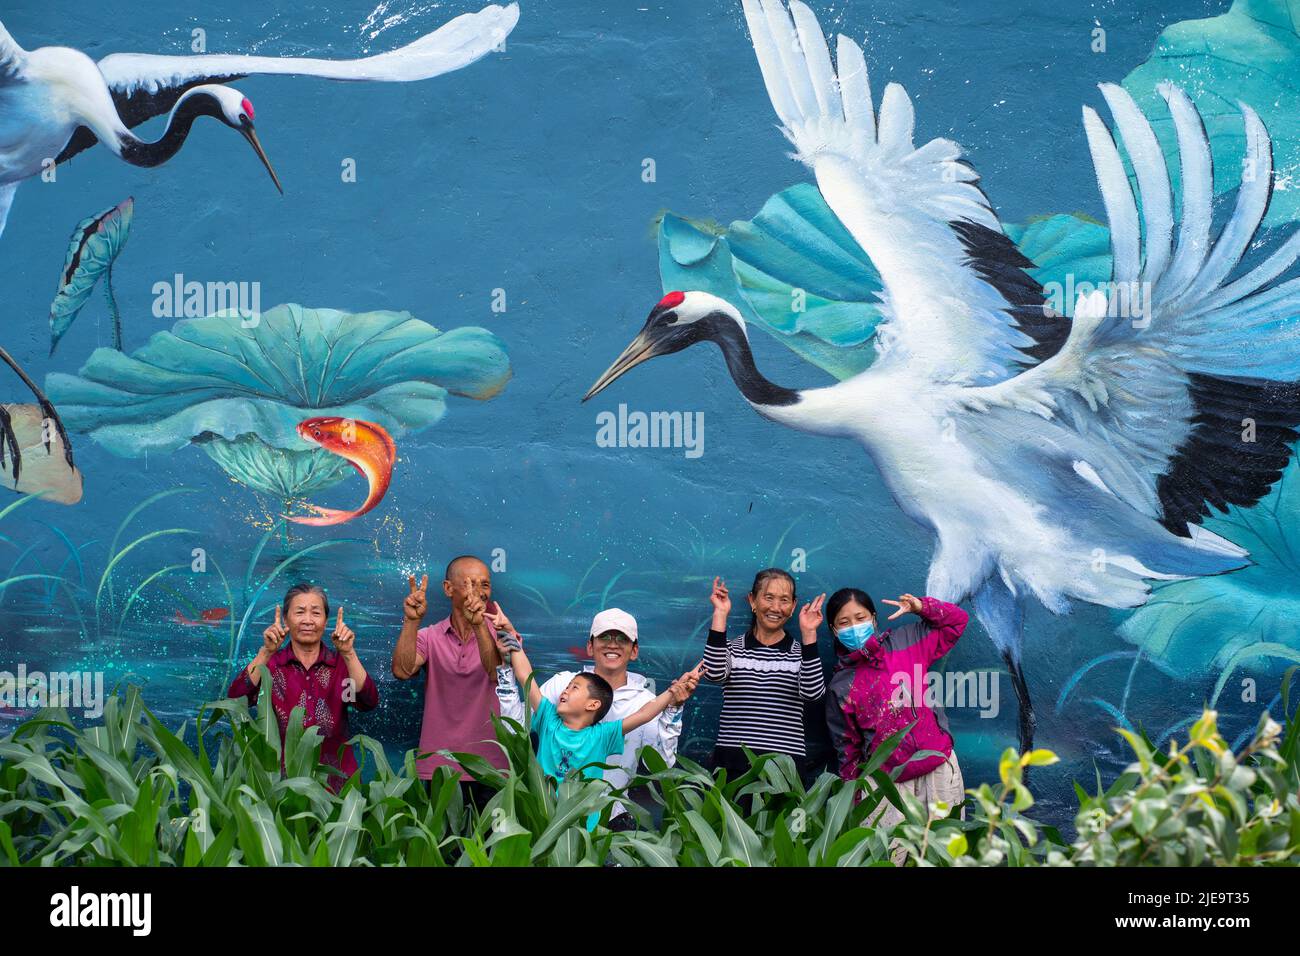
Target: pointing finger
column 424, row 583
column 339, row 622
column 410, row 580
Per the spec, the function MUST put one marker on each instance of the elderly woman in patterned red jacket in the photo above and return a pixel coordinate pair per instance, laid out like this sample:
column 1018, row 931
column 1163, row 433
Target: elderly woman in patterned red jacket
column 879, row 686
column 324, row 682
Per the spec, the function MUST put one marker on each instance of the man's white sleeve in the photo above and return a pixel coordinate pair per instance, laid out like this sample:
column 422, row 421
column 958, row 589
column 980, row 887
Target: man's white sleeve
column 512, row 700
column 667, row 731
column 508, row 696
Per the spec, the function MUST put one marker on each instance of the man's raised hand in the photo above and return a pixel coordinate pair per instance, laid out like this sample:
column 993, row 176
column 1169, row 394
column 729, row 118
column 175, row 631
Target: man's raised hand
column 417, row 602
column 474, row 606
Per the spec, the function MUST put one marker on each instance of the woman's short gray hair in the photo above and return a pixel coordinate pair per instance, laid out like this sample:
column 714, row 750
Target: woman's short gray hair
column 305, row 588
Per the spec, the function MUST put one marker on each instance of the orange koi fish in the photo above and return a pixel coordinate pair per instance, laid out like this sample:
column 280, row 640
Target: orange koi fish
column 211, row 617
column 366, row 446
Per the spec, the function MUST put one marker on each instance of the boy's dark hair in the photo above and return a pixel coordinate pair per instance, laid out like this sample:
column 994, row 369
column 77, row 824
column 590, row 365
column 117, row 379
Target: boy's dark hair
column 304, row 588
column 600, row 690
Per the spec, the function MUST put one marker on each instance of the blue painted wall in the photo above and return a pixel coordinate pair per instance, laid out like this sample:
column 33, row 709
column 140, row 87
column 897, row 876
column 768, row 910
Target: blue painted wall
column 523, row 172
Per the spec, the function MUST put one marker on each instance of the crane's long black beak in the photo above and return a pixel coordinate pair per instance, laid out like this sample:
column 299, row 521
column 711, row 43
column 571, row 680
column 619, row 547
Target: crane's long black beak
column 251, row 135
column 641, row 349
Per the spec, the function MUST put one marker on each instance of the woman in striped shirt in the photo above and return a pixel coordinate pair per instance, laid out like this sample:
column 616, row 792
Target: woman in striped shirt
column 766, row 675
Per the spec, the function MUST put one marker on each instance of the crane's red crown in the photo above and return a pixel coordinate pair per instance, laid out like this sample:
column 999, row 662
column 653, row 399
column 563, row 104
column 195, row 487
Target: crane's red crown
column 671, row 300
column 248, row 107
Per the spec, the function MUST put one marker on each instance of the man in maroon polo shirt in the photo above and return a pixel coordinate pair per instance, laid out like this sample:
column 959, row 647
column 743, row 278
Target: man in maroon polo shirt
column 307, row 674
column 459, row 657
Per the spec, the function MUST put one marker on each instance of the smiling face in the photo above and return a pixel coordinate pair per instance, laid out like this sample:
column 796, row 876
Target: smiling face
column 612, row 651
column 851, row 613
column 576, row 700
column 773, row 604
column 306, row 619
column 469, row 571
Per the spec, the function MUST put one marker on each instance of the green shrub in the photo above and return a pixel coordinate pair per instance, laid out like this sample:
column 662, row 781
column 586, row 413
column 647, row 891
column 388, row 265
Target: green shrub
column 130, row 791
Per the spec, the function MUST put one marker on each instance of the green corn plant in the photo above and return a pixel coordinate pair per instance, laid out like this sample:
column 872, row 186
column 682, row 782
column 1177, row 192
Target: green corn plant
column 225, row 789
column 766, row 816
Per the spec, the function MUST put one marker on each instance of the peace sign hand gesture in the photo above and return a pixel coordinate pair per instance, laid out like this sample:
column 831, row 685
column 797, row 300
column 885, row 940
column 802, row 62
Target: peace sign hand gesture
column 906, row 603
column 474, row 606
column 343, row 637
column 417, row 602
column 810, row 618
column 500, row 621
column 274, row 635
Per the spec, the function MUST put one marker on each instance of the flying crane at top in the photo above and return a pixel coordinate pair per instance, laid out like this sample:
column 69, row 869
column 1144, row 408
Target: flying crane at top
column 56, row 102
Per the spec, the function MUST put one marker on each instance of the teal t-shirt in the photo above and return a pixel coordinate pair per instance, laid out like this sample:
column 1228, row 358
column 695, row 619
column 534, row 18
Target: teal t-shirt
column 561, row 749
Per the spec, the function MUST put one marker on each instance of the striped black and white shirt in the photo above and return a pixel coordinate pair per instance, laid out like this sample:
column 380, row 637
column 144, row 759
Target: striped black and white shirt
column 763, row 690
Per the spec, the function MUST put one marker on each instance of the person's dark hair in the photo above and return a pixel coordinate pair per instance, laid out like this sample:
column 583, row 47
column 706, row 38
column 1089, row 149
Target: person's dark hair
column 761, row 578
column 451, row 565
column 304, row 588
column 599, row 689
column 842, row 597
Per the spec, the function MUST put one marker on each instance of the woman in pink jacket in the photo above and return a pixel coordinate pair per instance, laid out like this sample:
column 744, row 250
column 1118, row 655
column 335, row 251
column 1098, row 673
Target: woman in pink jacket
column 878, row 688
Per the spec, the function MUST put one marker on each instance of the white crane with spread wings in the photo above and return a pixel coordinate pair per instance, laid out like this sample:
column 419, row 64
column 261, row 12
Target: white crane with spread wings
column 1054, row 460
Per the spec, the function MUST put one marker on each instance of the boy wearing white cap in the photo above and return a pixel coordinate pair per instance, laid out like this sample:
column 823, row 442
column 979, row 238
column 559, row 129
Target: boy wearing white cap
column 612, row 645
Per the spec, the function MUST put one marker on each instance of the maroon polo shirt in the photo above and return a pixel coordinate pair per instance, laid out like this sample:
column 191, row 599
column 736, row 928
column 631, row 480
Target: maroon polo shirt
column 319, row 692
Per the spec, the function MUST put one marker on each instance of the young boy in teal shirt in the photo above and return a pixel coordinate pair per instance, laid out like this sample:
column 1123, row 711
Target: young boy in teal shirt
column 569, row 733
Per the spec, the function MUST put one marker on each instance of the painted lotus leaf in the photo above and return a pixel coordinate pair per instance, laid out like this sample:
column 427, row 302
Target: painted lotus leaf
column 45, row 471
column 796, row 245
column 1251, row 55
column 95, row 244
column 1067, row 250
column 239, row 392
column 282, row 472
column 1193, row 628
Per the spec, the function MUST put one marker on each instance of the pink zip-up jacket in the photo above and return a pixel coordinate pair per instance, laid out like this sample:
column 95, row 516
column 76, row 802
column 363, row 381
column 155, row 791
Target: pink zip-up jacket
column 878, row 690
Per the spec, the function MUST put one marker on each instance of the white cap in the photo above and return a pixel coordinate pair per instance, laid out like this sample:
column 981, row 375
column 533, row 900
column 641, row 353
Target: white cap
column 614, row 619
